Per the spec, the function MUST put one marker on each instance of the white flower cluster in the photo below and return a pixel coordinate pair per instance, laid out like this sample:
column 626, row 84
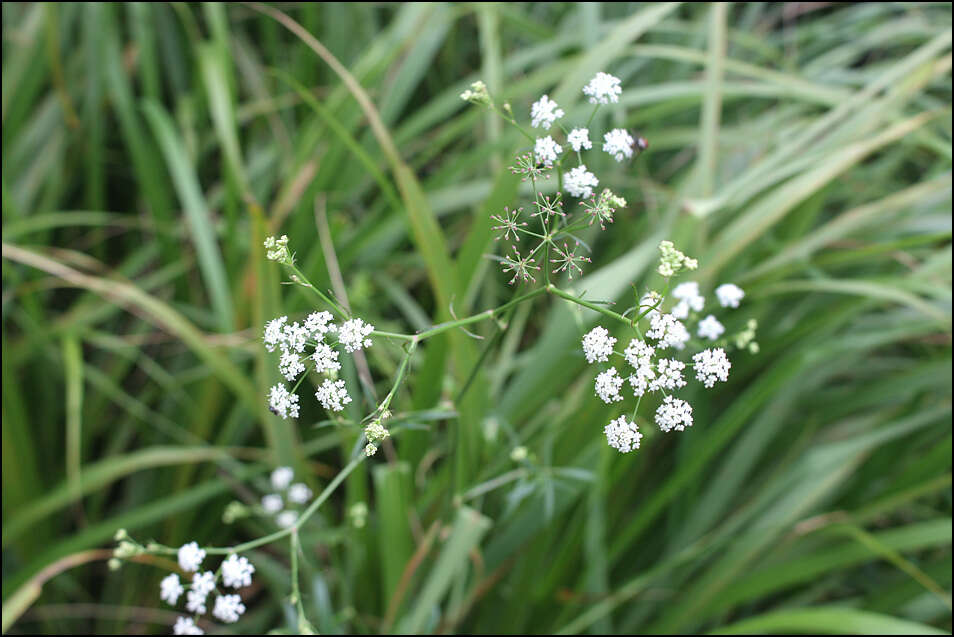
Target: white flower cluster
column 295, row 495
column 651, row 372
column 235, row 572
column 321, row 334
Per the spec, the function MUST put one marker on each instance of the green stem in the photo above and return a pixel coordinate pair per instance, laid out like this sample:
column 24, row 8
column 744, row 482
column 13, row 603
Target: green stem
column 304, row 282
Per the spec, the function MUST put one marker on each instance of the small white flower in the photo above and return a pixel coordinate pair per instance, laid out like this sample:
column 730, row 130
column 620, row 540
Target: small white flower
column 668, row 331
column 272, row 503
column 544, row 112
column 689, row 299
column 710, row 328
column 190, row 557
column 623, row 435
column 282, row 402
column 353, row 334
column 579, row 138
column 670, row 375
column 618, row 143
column 228, row 608
column 273, row 333
column 603, row 89
column 711, row 365
column 282, row 477
column 580, row 182
column 294, row 337
column 333, row 395
column 286, row 519
column 326, row 358
column 290, row 365
column 598, row 345
column 170, row 588
column 608, row 384
column 546, row 150
column 202, row 585
column 237, row 571
column 729, row 295
column 640, row 356
column 319, row 323
column 674, row 414
column 186, row 626
column 299, row 493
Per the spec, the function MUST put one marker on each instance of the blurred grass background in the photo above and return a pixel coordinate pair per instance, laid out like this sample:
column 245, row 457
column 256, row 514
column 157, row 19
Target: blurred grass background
column 800, row 150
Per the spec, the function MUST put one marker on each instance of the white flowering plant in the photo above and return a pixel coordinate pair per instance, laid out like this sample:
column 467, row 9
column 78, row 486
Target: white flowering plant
column 313, row 348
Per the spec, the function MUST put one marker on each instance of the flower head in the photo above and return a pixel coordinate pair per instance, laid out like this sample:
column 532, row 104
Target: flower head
column 190, row 557
column 710, row 328
column 282, row 477
column 186, row 626
column 282, row 403
column 508, row 222
column 277, row 249
column 608, row 384
column 669, row 375
column 729, row 295
column 669, row 331
column 228, row 608
column 237, row 571
column 673, row 261
column 689, row 299
column 290, row 365
column 580, row 182
column 274, row 335
column 520, row 266
column 353, row 334
column 528, row 167
column 272, row 503
column 286, row 519
column 711, row 365
column 674, row 413
column 603, row 89
column 579, row 139
column 170, row 588
column 333, row 395
column 476, row 94
column 603, row 207
column 568, row 260
column 618, row 143
column 544, row 112
column 326, row 358
column 623, row 435
column 546, row 150
column 598, row 345
column 299, row 493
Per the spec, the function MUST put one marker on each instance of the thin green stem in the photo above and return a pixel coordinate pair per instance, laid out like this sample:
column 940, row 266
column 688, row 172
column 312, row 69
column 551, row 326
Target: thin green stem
column 299, row 278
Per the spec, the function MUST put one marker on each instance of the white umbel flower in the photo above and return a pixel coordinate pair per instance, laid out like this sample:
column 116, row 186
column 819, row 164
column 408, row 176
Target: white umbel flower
column 186, row 626
column 237, row 571
column 668, row 331
column 674, row 414
column 299, row 493
column 274, row 336
column 353, row 334
column 326, row 358
column 711, row 365
column 170, row 588
column 228, row 608
column 623, row 435
column 608, row 384
column 579, row 139
column 190, row 557
column 319, row 323
column 290, row 365
column 619, row 144
column 282, row 402
column 669, row 376
column 546, row 150
column 281, row 477
column 295, row 337
column 544, row 112
column 272, row 503
column 603, row 89
column 729, row 295
column 286, row 519
column 598, row 345
column 333, row 395
column 689, row 299
column 640, row 356
column 580, row 182
column 710, row 328
column 202, row 585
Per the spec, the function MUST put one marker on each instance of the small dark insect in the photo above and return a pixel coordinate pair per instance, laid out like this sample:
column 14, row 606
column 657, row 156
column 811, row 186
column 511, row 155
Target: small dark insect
column 642, row 143
column 273, row 410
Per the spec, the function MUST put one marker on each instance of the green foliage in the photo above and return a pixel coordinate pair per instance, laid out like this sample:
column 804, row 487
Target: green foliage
column 800, row 151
